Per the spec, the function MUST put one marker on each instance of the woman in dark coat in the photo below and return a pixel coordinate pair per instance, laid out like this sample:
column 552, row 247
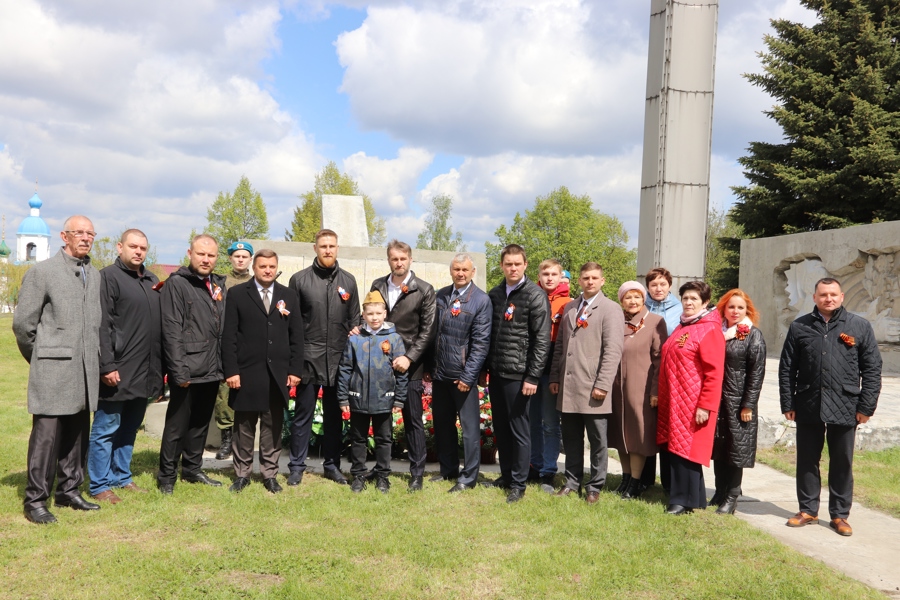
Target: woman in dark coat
column 632, row 429
column 734, row 448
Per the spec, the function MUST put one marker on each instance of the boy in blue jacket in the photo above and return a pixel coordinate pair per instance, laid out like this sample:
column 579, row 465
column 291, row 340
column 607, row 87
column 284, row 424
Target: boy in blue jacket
column 369, row 389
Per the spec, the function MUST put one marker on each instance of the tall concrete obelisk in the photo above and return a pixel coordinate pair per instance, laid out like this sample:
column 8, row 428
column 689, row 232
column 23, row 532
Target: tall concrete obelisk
column 677, row 138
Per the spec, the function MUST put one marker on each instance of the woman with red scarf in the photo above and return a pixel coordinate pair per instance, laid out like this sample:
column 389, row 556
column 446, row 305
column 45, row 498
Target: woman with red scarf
column 690, row 390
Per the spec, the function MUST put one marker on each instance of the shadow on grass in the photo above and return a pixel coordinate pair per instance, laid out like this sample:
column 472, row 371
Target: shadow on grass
column 17, row 480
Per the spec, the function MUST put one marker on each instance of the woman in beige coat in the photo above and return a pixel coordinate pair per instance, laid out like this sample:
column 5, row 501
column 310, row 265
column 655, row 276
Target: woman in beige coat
column 587, row 353
column 632, row 430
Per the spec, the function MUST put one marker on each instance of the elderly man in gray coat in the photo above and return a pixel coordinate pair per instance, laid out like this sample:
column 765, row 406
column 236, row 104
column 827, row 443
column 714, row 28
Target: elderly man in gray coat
column 57, row 328
column 585, row 360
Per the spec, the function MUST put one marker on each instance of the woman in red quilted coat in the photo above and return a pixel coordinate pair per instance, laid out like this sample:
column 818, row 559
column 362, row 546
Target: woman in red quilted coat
column 690, row 390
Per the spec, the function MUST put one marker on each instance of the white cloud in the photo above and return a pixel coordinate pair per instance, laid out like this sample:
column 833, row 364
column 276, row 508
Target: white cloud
column 480, row 78
column 139, row 114
column 388, row 182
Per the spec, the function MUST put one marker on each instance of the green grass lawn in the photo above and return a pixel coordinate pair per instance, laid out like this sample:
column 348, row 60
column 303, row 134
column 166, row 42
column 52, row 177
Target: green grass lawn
column 876, row 475
column 319, row 541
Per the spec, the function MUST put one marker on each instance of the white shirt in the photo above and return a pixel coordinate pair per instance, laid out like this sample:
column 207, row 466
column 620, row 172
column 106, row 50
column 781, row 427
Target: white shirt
column 394, row 291
column 260, row 288
column 585, row 303
column 462, row 291
column 510, row 289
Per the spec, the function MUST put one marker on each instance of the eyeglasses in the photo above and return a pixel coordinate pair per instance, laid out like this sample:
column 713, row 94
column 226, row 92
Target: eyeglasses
column 81, row 233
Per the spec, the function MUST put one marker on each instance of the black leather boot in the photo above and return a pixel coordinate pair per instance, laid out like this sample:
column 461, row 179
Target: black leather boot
column 633, row 491
column 717, row 499
column 626, row 479
column 729, row 505
column 225, row 449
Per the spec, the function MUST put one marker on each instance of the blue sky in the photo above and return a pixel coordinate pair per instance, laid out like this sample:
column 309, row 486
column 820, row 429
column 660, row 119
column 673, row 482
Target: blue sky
column 139, row 114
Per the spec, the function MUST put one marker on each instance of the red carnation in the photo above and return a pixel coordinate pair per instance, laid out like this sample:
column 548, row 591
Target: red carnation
column 431, row 430
column 345, row 416
column 293, row 392
column 371, row 431
column 488, row 431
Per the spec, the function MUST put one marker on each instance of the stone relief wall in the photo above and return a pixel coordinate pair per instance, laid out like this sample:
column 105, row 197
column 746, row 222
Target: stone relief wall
column 780, row 273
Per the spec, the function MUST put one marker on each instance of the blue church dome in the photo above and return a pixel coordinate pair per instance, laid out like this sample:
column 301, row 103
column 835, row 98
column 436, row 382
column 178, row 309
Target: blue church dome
column 33, row 226
column 35, row 201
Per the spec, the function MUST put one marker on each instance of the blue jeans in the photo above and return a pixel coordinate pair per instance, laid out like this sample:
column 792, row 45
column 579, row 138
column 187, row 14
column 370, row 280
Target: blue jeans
column 550, row 423
column 112, row 443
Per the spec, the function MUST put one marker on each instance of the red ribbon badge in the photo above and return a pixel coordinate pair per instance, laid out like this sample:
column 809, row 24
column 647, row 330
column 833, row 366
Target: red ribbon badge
column 849, row 340
column 456, row 308
column 386, row 347
column 508, row 315
column 343, row 294
column 742, row 331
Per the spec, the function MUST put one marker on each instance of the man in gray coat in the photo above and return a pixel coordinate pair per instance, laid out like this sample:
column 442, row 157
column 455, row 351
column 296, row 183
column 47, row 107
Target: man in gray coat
column 585, row 360
column 57, row 328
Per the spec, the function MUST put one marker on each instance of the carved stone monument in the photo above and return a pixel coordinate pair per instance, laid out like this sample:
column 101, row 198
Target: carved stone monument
column 780, row 273
column 346, row 216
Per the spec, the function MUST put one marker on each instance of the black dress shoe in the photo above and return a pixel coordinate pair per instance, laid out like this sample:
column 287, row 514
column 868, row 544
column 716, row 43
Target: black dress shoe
column 239, row 484
column 359, row 484
column 76, row 503
column 533, row 475
column 728, row 506
column 271, row 484
column 335, row 475
column 626, row 479
column 500, row 482
column 370, row 475
column 295, row 478
column 437, row 478
column 717, row 499
column 677, row 509
column 166, row 488
column 415, row 484
column 383, row 484
column 203, row 478
column 461, row 487
column 40, row 515
column 515, row 495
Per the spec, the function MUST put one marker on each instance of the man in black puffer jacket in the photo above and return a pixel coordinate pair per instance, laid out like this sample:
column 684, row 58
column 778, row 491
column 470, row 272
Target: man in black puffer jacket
column 520, row 345
column 829, row 381
column 461, row 346
column 193, row 311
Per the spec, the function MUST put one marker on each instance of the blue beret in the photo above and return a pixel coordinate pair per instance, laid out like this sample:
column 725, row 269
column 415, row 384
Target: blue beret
column 240, row 246
column 565, row 274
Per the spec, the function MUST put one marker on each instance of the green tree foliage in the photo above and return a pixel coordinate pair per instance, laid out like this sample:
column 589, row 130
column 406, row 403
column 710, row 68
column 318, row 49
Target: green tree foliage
column 723, row 252
column 569, row 229
column 11, row 282
column 438, row 232
column 308, row 216
column 838, row 104
column 238, row 216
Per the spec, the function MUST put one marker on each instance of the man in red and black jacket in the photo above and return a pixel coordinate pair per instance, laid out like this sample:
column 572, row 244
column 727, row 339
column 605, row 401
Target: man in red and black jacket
column 520, row 348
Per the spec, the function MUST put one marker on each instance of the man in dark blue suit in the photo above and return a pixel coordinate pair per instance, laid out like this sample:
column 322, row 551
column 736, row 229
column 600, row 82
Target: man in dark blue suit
column 262, row 356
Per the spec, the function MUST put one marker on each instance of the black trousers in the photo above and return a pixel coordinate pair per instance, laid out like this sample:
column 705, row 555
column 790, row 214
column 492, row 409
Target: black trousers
column 414, row 428
column 648, row 476
column 270, row 424
column 509, row 408
column 810, row 440
column 184, row 434
column 57, row 448
column 574, row 426
column 728, row 478
column 301, row 427
column 448, row 402
column 688, row 486
column 359, row 437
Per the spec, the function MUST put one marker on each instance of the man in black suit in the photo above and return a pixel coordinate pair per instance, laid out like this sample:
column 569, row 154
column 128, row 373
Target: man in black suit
column 410, row 303
column 262, row 355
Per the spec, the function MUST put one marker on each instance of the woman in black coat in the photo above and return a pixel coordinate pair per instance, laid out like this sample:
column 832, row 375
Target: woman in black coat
column 734, row 448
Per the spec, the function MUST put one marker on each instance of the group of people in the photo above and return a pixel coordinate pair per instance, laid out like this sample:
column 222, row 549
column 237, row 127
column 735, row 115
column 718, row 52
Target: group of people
column 648, row 375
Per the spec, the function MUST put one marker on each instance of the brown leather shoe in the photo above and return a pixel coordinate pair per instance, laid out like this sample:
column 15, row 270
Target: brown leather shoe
column 133, row 487
column 801, row 519
column 567, row 491
column 842, row 527
column 107, row 496
column 592, row 497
